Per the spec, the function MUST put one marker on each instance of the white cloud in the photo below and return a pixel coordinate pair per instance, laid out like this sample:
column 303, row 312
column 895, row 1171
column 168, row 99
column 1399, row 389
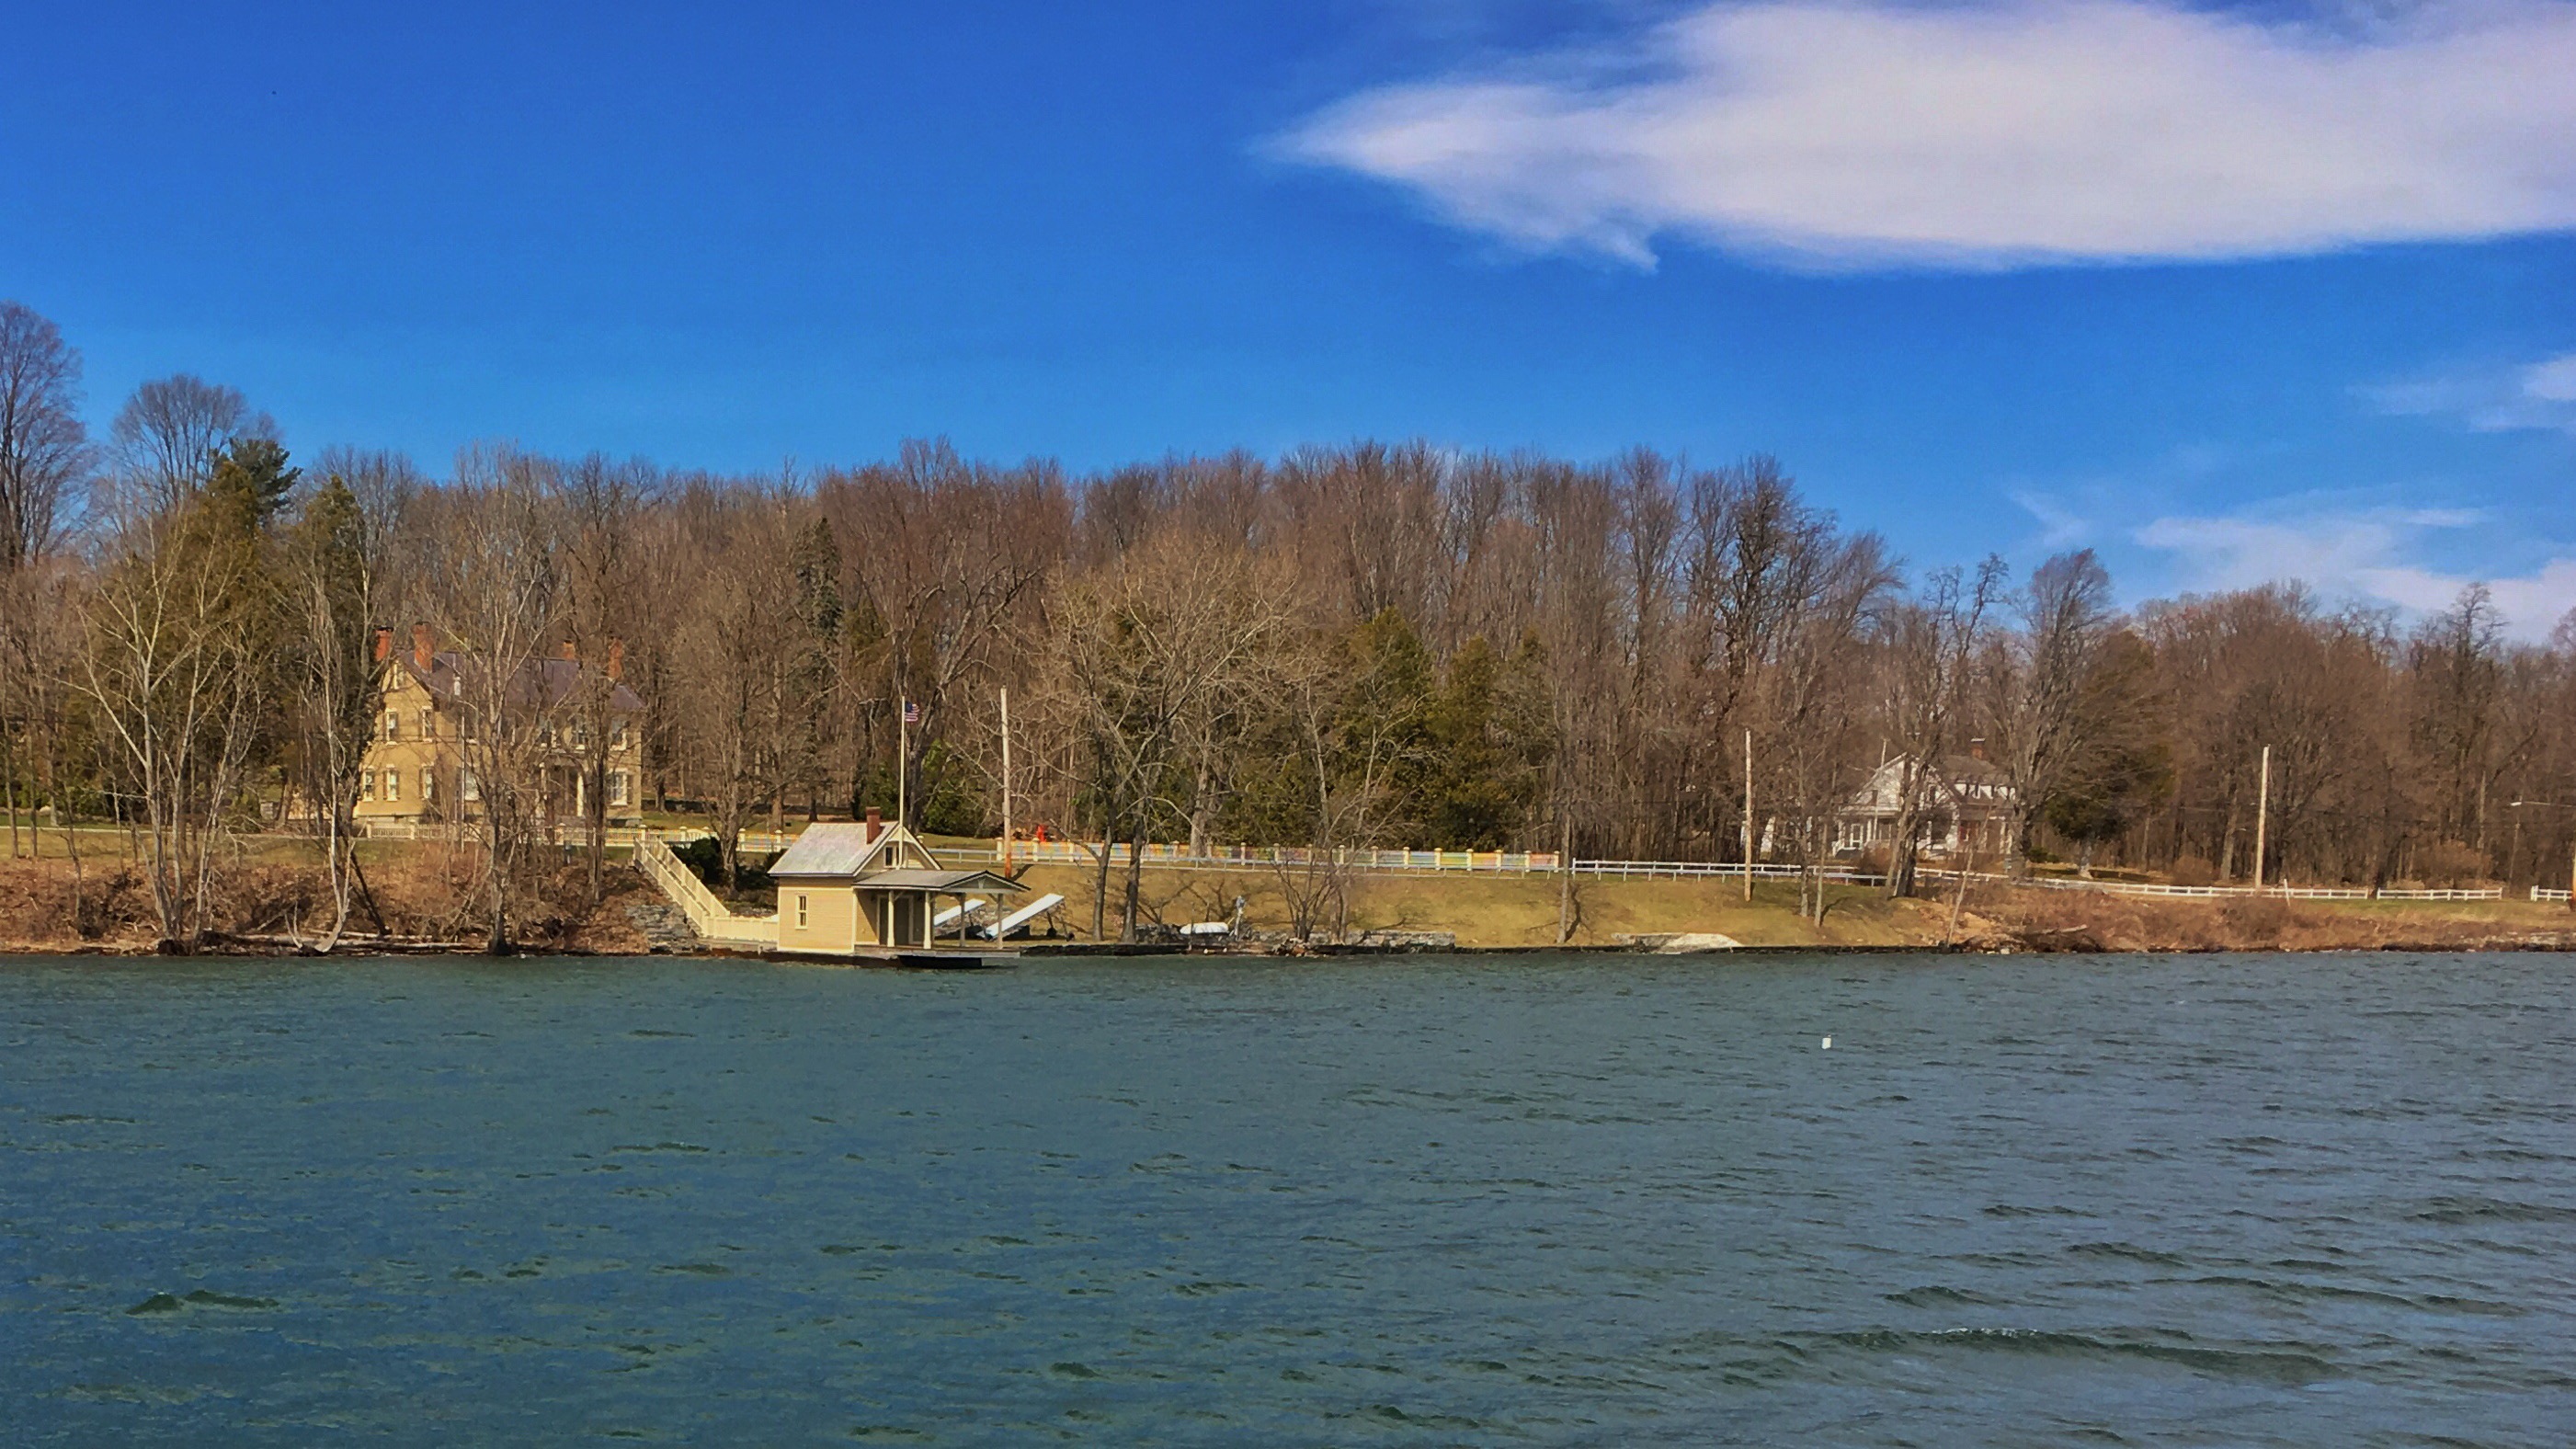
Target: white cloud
column 2030, row 131
column 2553, row 381
column 2364, row 555
column 2540, row 395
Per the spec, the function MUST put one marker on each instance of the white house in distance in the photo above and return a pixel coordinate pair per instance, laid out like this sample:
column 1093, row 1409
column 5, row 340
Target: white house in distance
column 849, row 888
column 1965, row 803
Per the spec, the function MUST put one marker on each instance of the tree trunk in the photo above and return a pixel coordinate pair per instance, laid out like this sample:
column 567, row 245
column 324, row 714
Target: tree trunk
column 1135, row 877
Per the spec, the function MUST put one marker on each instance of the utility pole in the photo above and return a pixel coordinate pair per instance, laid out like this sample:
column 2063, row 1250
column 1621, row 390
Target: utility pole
column 1006, row 782
column 1748, row 817
column 2262, row 817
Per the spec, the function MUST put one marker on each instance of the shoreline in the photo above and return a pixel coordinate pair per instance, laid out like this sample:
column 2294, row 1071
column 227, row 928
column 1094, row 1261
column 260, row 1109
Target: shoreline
column 1076, row 951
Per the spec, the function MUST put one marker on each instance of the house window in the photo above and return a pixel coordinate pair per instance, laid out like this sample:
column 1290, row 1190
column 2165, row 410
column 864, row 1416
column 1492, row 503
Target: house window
column 428, row 785
column 469, row 787
column 801, row 915
column 428, row 725
column 393, row 724
column 366, row 784
column 393, row 784
column 580, row 735
column 617, row 787
column 617, row 733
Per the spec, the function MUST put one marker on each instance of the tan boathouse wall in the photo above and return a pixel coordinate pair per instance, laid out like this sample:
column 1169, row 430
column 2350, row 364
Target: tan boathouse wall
column 833, row 921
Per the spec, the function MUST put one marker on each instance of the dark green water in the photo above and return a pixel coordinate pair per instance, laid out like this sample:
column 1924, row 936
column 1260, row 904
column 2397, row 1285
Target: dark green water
column 2210, row 1200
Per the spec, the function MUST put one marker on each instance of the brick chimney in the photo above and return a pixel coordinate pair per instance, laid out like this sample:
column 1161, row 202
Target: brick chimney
column 616, row 660
column 384, row 642
column 1976, row 749
column 876, row 825
column 424, row 647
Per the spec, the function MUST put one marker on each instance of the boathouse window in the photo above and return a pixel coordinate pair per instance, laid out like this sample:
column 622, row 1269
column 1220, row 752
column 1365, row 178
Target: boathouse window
column 801, row 916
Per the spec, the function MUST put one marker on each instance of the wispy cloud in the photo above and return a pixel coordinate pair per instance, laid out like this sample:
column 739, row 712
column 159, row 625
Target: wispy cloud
column 2373, row 554
column 2539, row 395
column 2029, row 131
column 2059, row 525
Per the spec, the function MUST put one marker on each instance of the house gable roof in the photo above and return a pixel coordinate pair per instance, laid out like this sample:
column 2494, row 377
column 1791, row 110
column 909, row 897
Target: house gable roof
column 541, row 682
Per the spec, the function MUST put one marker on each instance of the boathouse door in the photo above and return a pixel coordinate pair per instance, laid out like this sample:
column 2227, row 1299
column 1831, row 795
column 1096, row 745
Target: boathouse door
column 906, row 919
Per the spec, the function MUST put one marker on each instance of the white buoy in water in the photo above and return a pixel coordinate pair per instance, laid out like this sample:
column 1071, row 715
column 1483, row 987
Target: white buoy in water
column 1828, row 1046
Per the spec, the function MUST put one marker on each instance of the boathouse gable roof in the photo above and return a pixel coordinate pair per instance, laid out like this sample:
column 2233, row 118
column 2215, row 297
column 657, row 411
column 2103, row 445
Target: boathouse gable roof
column 846, row 850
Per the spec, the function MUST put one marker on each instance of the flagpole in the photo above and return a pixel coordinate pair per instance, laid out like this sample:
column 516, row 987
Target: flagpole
column 902, row 754
column 1006, row 782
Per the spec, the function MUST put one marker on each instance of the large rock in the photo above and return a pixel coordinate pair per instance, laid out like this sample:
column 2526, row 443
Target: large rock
column 1679, row 943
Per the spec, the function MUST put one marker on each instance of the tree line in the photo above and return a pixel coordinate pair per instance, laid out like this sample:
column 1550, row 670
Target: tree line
column 1368, row 644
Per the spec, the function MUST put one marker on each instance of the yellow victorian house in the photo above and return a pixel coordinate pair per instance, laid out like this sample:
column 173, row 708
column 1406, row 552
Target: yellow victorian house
column 415, row 767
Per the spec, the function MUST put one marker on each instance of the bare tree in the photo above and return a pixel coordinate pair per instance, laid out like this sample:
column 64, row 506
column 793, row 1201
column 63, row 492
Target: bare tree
column 601, row 505
column 1175, row 631
column 44, row 449
column 493, row 583
column 738, row 665
column 328, row 574
column 1931, row 642
column 2065, row 614
column 180, row 656
column 167, row 435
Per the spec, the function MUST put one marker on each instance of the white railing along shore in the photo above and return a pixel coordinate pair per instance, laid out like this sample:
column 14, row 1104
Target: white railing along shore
column 1462, row 862
column 1245, row 857
column 713, row 919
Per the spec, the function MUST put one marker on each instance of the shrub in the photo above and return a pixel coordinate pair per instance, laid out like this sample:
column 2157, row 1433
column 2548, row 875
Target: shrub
column 705, row 859
column 2191, row 870
column 2450, row 864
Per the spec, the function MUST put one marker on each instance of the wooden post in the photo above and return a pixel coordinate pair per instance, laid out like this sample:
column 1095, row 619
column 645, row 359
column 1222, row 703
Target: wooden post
column 2262, row 817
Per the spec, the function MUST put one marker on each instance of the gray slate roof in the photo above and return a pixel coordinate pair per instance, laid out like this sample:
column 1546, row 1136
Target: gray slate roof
column 837, row 849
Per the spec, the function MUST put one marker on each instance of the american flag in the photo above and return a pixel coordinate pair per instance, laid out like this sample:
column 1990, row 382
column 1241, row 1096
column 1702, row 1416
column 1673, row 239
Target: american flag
column 911, row 713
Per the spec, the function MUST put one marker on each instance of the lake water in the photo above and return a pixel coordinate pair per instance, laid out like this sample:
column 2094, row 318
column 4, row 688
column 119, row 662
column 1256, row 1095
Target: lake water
column 2203, row 1200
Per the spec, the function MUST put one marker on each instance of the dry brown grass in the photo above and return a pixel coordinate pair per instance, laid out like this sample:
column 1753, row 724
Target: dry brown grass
column 2028, row 919
column 425, row 893
column 1511, row 910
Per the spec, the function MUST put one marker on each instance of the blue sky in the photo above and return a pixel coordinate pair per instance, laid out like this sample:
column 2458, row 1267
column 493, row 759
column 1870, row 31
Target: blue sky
column 2227, row 294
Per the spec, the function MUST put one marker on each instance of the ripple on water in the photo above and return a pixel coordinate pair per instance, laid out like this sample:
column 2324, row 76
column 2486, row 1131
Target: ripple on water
column 1536, row 1200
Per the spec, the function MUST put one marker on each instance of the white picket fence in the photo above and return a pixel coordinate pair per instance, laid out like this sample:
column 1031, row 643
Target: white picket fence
column 2278, row 892
column 574, row 835
column 1447, row 862
column 1251, row 857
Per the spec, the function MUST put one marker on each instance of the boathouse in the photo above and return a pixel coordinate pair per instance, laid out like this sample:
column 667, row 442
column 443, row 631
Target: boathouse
column 852, row 888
